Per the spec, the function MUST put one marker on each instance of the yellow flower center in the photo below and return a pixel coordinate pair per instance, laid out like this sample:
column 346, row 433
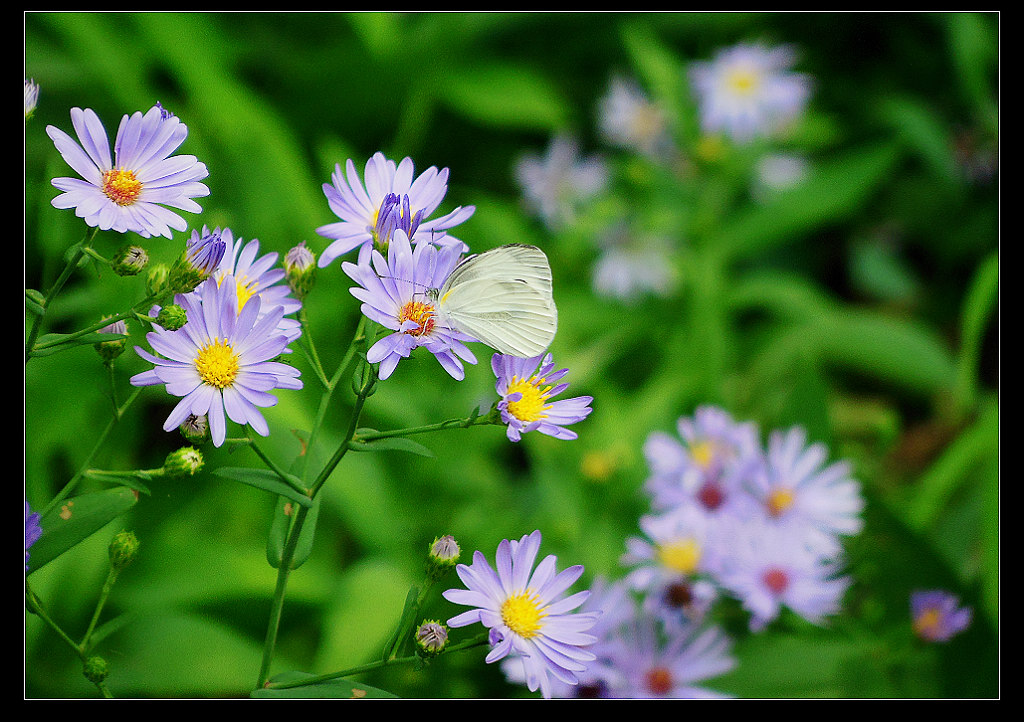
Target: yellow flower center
column 422, row 314
column 217, row 364
column 681, row 555
column 121, row 186
column 779, row 501
column 742, row 81
column 522, row 614
column 703, row 452
column 244, row 288
column 531, row 406
column 927, row 623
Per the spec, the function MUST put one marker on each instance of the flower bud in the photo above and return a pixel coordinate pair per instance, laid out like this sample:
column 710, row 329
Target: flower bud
column 185, row 461
column 201, row 257
column 195, row 429
column 443, row 556
column 156, row 279
column 123, row 549
column 95, row 669
column 31, row 97
column 110, row 350
column 300, row 270
column 129, row 260
column 431, row 637
column 171, row 317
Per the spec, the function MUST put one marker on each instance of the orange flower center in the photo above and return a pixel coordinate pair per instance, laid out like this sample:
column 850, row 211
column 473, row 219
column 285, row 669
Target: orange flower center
column 422, row 314
column 121, row 186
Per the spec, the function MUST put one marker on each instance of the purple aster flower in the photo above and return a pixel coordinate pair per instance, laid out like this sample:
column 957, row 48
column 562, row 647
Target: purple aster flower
column 937, row 616
column 672, row 563
column 654, row 663
column 394, row 294
column 796, row 490
column 748, row 90
column 32, row 530
column 256, row 275
column 526, row 612
column 629, row 119
column 219, row 361
column 556, row 184
column 129, row 194
column 768, row 569
column 526, row 386
column 709, row 468
column 615, row 607
column 31, row 97
column 391, row 200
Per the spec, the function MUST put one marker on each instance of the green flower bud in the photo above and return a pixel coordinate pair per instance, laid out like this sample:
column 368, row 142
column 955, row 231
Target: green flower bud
column 123, row 548
column 129, row 261
column 110, row 350
column 201, row 257
column 431, row 637
column 443, row 556
column 156, row 279
column 195, row 429
column 95, row 669
column 185, row 461
column 171, row 317
column 300, row 270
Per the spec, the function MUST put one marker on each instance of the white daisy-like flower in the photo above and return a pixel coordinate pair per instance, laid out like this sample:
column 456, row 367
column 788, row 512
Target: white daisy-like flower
column 130, row 192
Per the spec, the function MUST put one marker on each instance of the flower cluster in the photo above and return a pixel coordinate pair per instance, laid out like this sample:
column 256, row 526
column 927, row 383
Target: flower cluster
column 761, row 524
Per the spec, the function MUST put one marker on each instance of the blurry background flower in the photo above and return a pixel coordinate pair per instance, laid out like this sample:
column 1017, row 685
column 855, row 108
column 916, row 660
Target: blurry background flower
column 628, row 118
column 748, row 90
column 937, row 615
column 31, row 97
column 32, row 530
column 557, row 184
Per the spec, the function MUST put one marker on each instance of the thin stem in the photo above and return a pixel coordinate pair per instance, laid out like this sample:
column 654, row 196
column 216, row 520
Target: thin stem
column 97, row 325
column 378, row 664
column 478, row 420
column 87, row 464
column 281, row 473
column 36, row 607
column 100, row 603
column 65, row 274
column 311, row 355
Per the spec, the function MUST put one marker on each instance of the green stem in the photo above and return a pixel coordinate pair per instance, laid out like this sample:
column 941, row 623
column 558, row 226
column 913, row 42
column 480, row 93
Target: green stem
column 378, row 664
column 281, row 473
column 96, row 326
column 310, row 348
column 101, row 602
column 65, row 274
column 36, row 607
column 475, row 420
column 87, row 464
column 284, row 568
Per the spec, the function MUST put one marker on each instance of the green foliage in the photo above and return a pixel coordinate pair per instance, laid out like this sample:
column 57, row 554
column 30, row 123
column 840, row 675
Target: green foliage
column 861, row 303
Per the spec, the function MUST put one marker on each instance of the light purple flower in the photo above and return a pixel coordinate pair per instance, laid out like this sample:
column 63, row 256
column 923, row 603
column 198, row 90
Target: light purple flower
column 655, row 664
column 394, row 294
column 748, row 90
column 219, row 361
column 129, row 194
column 390, row 200
column 526, row 386
column 526, row 612
column 707, row 465
column 937, row 615
column 672, row 563
column 32, row 530
column 557, row 183
column 629, row 119
column 256, row 275
column 31, row 97
column 796, row 490
column 768, row 569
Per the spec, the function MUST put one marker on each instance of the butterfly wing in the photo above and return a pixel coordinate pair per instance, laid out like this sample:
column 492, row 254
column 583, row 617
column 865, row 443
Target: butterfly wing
column 502, row 298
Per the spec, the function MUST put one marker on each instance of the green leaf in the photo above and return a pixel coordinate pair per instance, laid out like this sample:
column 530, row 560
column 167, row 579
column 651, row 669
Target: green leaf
column 504, row 95
column 53, row 343
column 266, row 480
column 333, row 689
column 832, row 192
column 393, row 443
column 76, row 519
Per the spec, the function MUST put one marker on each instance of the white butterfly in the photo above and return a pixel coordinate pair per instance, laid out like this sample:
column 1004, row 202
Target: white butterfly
column 501, row 297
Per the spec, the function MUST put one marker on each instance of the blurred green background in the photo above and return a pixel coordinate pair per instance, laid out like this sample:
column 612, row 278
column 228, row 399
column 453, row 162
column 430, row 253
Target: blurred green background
column 861, row 304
